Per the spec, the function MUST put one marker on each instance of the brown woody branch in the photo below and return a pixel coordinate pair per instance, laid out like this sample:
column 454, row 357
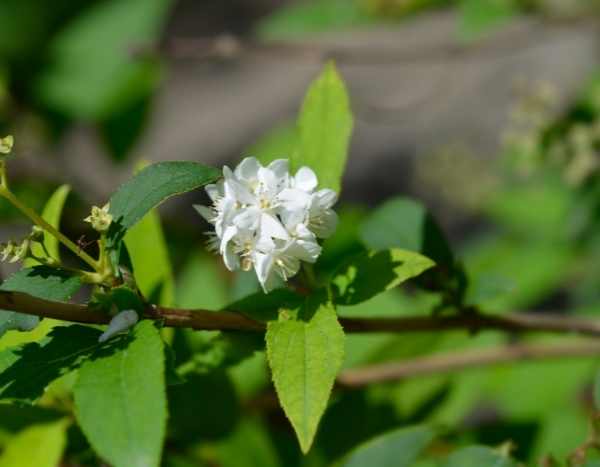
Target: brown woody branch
column 235, row 321
column 457, row 361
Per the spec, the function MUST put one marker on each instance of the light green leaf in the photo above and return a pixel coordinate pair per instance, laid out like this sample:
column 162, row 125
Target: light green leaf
column 37, row 446
column 52, row 214
column 398, row 448
column 325, row 126
column 97, row 66
column 149, row 256
column 153, row 185
column 372, row 273
column 305, row 355
column 41, row 282
column 280, row 142
column 478, row 456
column 120, row 400
column 26, row 371
column 405, row 223
column 200, row 285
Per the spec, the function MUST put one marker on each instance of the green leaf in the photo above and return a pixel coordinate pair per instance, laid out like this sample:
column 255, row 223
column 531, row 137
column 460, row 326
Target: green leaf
column 37, row 446
column 250, row 445
column 153, row 185
column 27, row 370
column 405, row 223
column 97, row 66
column 153, row 273
column 325, row 126
column 264, row 307
column 305, row 355
column 211, row 294
column 398, row 448
column 481, row 16
column 372, row 273
column 204, row 408
column 279, row 142
column 597, row 391
column 41, row 282
column 52, row 214
column 120, row 400
column 306, row 18
column 478, row 456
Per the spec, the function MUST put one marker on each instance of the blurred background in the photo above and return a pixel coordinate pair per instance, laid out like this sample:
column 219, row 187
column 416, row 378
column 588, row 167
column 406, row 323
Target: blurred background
column 487, row 111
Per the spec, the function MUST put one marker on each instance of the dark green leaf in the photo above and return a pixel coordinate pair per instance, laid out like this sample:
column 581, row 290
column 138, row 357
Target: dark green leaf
column 404, row 223
column 153, row 185
column 325, row 126
column 41, row 282
column 399, row 448
column 120, row 400
column 478, row 456
column 26, row 371
column 264, row 307
column 305, row 355
column 153, row 272
column 205, row 407
column 372, row 273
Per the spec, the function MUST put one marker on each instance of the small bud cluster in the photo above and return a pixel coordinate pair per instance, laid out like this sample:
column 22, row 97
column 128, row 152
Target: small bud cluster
column 100, row 218
column 15, row 251
column 269, row 220
column 6, row 145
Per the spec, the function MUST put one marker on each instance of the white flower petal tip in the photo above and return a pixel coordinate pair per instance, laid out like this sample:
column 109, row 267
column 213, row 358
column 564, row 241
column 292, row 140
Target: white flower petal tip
column 121, row 322
column 269, row 220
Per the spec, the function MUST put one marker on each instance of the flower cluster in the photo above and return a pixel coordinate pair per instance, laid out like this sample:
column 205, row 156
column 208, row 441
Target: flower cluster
column 100, row 218
column 269, row 220
column 13, row 252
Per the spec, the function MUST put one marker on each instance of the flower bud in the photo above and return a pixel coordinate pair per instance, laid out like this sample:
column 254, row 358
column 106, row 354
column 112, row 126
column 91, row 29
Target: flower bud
column 121, row 322
column 21, row 251
column 6, row 144
column 7, row 250
column 100, row 218
column 37, row 234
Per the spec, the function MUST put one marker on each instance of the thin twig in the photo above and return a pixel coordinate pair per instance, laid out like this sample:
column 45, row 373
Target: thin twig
column 235, row 321
column 457, row 361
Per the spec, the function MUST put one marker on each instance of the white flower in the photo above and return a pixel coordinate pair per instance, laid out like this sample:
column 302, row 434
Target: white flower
column 267, row 219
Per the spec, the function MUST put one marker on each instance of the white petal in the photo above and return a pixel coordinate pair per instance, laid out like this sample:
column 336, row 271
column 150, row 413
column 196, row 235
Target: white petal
column 271, row 227
column 121, row 322
column 248, row 219
column 280, row 167
column 263, row 265
column 326, row 198
column 291, row 218
column 228, row 234
column 207, row 213
column 236, row 190
column 247, row 170
column 305, row 250
column 326, row 225
column 215, row 191
column 231, row 259
column 294, row 198
column 305, row 179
